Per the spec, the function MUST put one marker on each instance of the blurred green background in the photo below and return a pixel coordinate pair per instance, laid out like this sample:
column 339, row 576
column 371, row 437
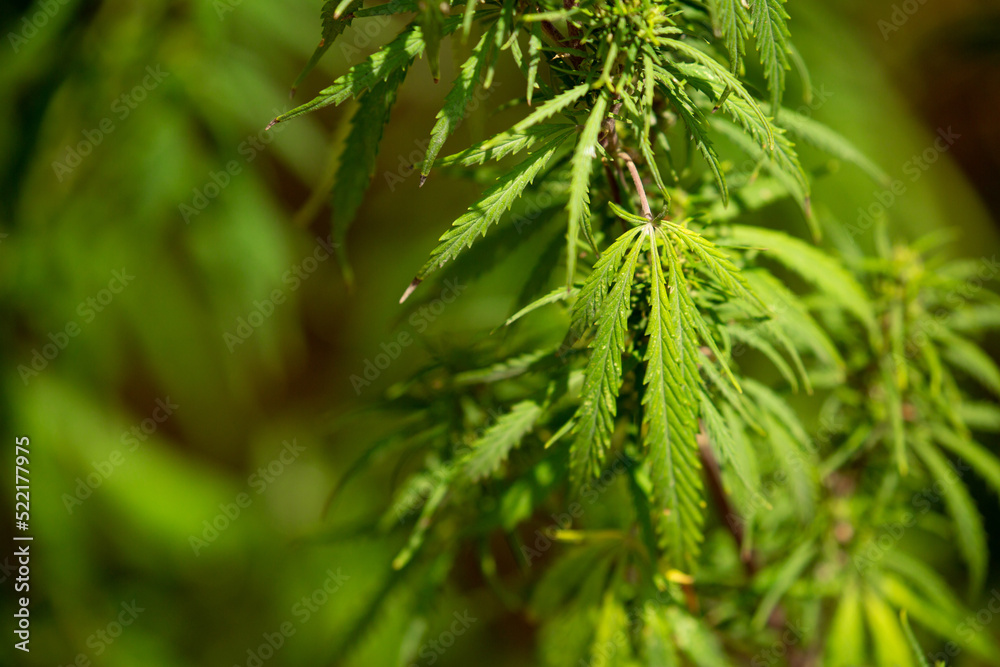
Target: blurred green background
column 179, row 348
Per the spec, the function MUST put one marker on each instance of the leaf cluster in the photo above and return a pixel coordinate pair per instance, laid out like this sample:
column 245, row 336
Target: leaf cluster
column 738, row 413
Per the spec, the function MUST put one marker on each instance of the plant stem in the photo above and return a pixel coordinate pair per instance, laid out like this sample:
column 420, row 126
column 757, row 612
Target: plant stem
column 637, row 180
column 714, row 475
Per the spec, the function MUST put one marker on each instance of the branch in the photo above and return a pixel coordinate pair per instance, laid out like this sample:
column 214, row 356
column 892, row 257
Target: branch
column 722, row 502
column 637, row 180
column 778, row 618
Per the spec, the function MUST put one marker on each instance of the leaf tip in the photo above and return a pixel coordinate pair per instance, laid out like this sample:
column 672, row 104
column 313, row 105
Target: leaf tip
column 409, row 290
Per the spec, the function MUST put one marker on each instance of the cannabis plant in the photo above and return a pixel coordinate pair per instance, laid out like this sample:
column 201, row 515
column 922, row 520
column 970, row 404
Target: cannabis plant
column 743, row 443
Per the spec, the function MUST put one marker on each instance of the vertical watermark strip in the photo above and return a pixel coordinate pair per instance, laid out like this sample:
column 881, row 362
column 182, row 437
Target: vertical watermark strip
column 22, row 551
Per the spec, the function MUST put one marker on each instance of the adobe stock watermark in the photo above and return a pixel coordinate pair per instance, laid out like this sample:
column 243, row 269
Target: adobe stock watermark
column 606, row 652
column 102, row 470
column 898, row 17
column 775, row 652
column 121, row 108
column 590, row 492
column 875, row 549
column 432, row 650
column 425, row 486
column 407, row 164
column 369, row 24
column 367, row 28
column 100, row 640
column 259, row 482
column 302, row 611
column 419, row 320
column 750, row 166
column 536, row 206
column 293, row 278
column 968, row 628
column 415, row 498
column 7, row 568
column 217, row 181
column 30, row 25
column 88, row 309
column 913, row 169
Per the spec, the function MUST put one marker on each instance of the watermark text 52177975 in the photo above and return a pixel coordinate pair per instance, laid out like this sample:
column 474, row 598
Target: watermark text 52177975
column 22, row 509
